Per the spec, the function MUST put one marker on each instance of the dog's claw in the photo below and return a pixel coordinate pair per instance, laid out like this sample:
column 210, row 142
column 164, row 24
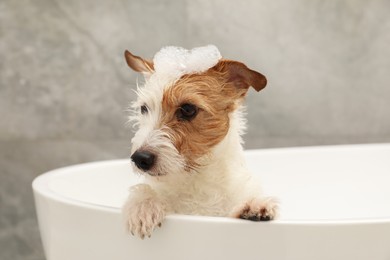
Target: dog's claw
column 265, row 218
column 144, row 218
column 258, row 210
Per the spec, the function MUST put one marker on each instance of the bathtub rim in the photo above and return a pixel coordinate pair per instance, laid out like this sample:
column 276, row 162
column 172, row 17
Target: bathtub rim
column 40, row 188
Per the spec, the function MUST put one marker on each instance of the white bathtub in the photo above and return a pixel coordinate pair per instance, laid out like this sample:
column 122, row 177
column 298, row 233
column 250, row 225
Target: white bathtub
column 335, row 204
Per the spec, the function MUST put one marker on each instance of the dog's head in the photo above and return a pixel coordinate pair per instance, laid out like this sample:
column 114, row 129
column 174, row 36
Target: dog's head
column 183, row 109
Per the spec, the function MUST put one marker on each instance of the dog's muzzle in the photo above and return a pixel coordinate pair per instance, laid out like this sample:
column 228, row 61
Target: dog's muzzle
column 144, row 160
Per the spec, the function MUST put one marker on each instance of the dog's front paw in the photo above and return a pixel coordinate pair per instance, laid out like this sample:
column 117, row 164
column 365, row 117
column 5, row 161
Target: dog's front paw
column 143, row 217
column 258, row 210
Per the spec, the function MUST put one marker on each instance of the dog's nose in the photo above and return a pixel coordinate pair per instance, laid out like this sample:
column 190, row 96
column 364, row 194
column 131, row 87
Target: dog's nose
column 144, row 160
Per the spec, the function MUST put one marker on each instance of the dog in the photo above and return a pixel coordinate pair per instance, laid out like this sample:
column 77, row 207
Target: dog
column 188, row 146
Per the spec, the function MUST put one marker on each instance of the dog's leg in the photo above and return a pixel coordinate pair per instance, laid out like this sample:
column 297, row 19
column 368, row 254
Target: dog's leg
column 263, row 209
column 143, row 211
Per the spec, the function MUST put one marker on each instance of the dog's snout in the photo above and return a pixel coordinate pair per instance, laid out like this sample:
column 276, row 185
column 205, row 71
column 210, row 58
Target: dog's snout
column 144, row 160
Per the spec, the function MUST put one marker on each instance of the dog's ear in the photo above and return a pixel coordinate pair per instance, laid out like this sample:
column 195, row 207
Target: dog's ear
column 241, row 76
column 138, row 64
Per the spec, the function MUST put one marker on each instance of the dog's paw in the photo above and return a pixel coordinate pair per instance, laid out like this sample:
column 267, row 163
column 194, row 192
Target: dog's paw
column 264, row 209
column 143, row 217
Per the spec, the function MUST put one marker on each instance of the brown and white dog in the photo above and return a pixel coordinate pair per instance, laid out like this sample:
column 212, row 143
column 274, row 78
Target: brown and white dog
column 188, row 145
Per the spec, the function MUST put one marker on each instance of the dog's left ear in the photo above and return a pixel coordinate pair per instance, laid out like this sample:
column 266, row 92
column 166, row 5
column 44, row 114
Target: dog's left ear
column 138, row 64
column 241, row 76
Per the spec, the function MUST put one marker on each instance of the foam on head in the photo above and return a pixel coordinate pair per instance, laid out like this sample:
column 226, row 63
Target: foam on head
column 172, row 62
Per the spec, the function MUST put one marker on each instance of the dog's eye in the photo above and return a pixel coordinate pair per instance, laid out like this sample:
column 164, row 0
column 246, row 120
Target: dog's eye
column 144, row 109
column 186, row 112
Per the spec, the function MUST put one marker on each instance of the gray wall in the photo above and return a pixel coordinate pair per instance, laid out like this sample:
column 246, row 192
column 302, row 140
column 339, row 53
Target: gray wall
column 64, row 86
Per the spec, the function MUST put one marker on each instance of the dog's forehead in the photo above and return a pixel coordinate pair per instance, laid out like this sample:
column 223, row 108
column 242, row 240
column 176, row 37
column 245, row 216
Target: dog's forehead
column 188, row 88
column 170, row 64
column 173, row 62
column 151, row 93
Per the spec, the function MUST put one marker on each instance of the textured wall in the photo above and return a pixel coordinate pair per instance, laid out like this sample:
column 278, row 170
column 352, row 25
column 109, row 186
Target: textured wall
column 64, row 86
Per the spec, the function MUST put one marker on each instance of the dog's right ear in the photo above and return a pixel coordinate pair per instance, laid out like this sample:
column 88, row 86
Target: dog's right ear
column 138, row 64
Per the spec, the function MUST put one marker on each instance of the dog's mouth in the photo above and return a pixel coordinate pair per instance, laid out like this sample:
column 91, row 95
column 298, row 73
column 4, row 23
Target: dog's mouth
column 158, row 170
column 158, row 160
column 150, row 172
column 144, row 162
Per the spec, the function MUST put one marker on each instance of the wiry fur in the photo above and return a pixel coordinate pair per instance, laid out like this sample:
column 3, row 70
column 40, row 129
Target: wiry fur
column 200, row 167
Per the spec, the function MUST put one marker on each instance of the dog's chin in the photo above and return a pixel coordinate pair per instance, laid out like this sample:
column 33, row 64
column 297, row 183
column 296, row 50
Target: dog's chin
column 152, row 172
column 155, row 173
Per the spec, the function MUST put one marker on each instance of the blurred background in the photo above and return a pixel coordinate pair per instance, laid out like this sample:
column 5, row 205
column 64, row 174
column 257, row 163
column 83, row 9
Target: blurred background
column 65, row 88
